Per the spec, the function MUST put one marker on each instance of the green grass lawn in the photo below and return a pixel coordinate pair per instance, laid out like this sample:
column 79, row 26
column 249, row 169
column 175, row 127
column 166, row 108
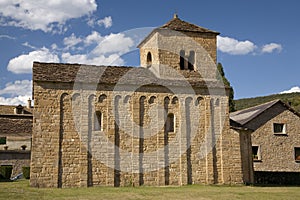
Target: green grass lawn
column 21, row 190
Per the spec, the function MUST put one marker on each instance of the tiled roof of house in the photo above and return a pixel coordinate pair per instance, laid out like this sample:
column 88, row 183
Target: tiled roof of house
column 17, row 125
column 244, row 116
column 177, row 24
column 10, row 110
column 70, row 73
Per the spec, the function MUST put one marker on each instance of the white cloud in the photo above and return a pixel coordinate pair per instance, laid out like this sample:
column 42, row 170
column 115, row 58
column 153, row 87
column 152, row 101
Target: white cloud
column 7, row 36
column 43, row 15
column 106, row 22
column 71, row 41
column 113, row 59
column 19, row 87
column 94, row 37
column 235, row 47
column 15, row 100
column 26, row 44
column 19, row 92
column 23, row 63
column 54, row 46
column 107, row 50
column 269, row 48
column 114, row 43
column 104, row 50
column 292, row 90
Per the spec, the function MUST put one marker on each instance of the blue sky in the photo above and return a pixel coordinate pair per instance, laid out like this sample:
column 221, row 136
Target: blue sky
column 258, row 45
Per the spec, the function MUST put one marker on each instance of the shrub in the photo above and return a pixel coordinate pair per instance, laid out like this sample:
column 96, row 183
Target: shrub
column 5, row 171
column 26, row 172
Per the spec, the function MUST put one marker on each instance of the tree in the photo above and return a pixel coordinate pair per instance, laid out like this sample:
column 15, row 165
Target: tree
column 221, row 77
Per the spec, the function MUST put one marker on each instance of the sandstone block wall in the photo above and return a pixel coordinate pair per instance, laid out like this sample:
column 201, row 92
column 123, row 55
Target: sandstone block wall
column 165, row 49
column 277, row 150
column 132, row 146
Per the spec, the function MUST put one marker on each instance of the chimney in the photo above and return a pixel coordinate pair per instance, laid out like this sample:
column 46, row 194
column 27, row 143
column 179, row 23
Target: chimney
column 29, row 103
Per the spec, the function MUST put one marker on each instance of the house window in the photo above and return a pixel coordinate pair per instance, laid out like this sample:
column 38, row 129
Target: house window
column 170, row 123
column 297, row 154
column 98, row 119
column 279, row 128
column 256, row 153
column 2, row 140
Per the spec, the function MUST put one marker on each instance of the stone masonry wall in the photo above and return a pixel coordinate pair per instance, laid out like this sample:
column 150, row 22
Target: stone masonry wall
column 130, row 144
column 165, row 51
column 277, row 150
column 17, row 130
column 16, row 158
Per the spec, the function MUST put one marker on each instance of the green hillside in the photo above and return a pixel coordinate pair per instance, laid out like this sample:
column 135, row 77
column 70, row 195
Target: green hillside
column 293, row 98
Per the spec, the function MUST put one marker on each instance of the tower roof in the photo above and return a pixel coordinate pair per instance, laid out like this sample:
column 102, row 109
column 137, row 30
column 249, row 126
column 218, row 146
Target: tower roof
column 177, row 24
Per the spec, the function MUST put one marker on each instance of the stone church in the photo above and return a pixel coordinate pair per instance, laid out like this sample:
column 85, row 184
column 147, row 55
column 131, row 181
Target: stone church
column 163, row 123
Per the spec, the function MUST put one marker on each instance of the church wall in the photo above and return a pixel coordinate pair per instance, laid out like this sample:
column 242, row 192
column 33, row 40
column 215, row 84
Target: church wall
column 129, row 148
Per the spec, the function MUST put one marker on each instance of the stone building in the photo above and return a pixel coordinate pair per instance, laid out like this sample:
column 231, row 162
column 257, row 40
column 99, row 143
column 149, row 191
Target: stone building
column 15, row 136
column 163, row 123
column 272, row 149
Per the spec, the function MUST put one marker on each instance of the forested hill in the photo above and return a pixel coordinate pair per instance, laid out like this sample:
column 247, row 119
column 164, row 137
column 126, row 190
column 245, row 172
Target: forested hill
column 293, row 98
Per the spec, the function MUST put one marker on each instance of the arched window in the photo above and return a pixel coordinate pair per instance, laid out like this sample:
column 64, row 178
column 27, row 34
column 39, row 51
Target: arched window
column 191, row 60
column 152, row 100
column 149, row 59
column 102, row 97
column 182, row 55
column 170, row 124
column 98, row 119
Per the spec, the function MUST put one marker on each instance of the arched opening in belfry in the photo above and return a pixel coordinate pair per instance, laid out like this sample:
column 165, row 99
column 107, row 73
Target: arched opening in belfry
column 149, row 59
column 182, row 55
column 191, row 60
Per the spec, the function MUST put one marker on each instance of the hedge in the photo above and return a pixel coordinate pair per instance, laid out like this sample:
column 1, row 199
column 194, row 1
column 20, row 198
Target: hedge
column 26, row 172
column 5, row 171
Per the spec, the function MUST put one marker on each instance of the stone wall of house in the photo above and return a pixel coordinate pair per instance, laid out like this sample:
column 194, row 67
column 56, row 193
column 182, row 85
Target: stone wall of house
column 132, row 145
column 17, row 130
column 276, row 151
column 16, row 158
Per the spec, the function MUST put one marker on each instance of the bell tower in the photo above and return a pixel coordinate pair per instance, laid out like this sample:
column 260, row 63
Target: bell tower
column 182, row 46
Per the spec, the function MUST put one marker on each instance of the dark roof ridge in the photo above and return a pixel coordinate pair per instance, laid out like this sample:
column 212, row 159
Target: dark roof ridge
column 257, row 106
column 260, row 109
column 81, row 64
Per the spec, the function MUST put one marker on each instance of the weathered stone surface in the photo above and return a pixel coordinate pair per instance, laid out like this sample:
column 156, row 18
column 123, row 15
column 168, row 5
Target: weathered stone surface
column 275, row 160
column 16, row 158
column 115, row 129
